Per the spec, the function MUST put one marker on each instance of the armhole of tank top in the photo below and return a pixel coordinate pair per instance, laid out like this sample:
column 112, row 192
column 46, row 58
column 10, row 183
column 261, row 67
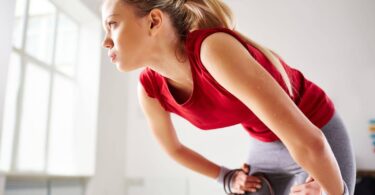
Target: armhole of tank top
column 144, row 79
column 232, row 33
column 147, row 78
column 248, row 45
column 209, row 32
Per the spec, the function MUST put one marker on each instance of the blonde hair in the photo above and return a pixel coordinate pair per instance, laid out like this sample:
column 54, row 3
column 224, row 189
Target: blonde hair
column 187, row 15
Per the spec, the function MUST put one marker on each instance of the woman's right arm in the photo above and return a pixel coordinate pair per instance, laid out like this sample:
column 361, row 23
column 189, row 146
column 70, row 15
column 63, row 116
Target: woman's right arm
column 161, row 125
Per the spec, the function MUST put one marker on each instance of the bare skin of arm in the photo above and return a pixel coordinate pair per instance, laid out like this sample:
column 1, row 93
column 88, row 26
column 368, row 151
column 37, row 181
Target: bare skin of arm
column 236, row 70
column 161, row 125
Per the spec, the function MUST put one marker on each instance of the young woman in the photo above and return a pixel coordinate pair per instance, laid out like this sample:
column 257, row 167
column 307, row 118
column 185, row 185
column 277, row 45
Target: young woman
column 197, row 66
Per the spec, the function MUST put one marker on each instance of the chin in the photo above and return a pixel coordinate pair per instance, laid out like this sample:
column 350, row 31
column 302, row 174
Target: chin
column 124, row 67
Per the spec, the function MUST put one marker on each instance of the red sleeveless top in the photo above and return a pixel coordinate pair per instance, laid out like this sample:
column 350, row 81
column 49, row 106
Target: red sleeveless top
column 210, row 106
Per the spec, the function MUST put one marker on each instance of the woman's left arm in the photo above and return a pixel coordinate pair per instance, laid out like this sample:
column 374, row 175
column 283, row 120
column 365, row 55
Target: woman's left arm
column 232, row 66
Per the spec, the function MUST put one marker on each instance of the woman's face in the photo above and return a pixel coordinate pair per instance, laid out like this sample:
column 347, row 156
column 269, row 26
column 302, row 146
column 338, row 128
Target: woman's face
column 126, row 35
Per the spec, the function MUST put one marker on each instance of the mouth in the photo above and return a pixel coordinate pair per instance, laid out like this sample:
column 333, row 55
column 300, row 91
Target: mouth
column 113, row 57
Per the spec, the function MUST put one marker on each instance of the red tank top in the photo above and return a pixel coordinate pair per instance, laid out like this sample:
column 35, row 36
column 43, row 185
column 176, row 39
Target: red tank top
column 210, row 106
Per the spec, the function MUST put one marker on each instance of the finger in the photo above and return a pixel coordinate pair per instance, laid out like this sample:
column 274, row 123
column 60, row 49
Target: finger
column 310, row 189
column 245, row 189
column 253, row 179
column 297, row 193
column 241, row 177
column 298, row 188
column 308, row 179
column 246, row 168
column 252, row 185
column 238, row 190
column 248, row 178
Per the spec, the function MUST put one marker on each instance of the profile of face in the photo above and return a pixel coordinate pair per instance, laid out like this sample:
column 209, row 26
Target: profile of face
column 127, row 36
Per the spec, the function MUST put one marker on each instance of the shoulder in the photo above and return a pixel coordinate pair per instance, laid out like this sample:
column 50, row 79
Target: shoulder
column 218, row 35
column 220, row 41
column 223, row 47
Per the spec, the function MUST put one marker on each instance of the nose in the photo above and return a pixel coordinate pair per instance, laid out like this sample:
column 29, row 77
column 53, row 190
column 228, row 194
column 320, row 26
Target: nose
column 107, row 42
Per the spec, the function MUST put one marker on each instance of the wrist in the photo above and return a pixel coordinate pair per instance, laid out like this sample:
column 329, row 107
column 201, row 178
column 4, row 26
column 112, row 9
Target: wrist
column 223, row 171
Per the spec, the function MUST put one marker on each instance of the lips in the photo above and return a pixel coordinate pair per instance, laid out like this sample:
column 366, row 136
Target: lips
column 112, row 56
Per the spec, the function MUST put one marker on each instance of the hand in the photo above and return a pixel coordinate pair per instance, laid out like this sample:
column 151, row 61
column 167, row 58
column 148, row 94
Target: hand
column 242, row 182
column 309, row 187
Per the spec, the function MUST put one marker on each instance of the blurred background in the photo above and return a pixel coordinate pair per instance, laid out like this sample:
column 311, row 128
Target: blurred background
column 70, row 123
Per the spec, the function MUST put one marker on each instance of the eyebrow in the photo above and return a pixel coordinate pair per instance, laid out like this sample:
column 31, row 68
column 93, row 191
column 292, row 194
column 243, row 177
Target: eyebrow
column 106, row 20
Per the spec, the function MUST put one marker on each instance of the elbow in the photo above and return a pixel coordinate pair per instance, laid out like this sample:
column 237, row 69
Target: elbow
column 311, row 150
column 175, row 151
column 318, row 144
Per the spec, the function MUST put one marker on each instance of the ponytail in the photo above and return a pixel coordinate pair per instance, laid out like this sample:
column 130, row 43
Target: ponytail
column 214, row 13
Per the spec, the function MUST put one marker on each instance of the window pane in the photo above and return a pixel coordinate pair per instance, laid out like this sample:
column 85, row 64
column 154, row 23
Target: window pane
column 40, row 32
column 61, row 147
column 67, row 187
column 26, row 187
column 10, row 112
column 19, row 23
column 67, row 42
column 34, row 119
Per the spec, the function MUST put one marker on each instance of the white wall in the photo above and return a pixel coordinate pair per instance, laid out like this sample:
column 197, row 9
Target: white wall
column 6, row 20
column 112, row 119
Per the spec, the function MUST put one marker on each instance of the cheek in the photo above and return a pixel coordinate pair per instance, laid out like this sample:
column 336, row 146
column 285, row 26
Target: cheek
column 120, row 44
column 130, row 47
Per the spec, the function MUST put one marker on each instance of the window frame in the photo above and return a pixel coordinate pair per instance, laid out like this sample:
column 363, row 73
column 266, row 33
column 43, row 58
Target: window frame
column 51, row 69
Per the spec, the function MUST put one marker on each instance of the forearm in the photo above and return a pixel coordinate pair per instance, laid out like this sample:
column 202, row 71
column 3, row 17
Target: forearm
column 192, row 160
column 321, row 164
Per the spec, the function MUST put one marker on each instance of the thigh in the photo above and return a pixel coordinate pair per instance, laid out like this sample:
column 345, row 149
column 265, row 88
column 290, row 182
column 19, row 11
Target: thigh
column 270, row 157
column 273, row 161
column 280, row 183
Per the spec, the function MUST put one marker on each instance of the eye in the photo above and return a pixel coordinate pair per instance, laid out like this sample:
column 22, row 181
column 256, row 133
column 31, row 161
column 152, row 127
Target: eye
column 111, row 24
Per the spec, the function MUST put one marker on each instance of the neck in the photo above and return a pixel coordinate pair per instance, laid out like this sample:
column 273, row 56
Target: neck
column 172, row 63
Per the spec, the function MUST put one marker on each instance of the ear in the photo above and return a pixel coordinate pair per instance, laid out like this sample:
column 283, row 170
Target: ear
column 155, row 18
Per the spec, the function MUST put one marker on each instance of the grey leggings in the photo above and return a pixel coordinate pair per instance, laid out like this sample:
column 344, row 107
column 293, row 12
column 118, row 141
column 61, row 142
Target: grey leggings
column 275, row 162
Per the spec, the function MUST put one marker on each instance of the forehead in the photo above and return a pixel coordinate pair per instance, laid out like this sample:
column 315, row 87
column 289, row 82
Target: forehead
column 110, row 7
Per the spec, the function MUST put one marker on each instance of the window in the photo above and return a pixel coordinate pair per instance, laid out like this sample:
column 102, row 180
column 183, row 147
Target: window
column 41, row 130
column 50, row 186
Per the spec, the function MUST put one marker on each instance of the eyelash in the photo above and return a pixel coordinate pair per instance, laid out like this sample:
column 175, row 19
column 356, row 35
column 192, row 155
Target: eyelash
column 110, row 24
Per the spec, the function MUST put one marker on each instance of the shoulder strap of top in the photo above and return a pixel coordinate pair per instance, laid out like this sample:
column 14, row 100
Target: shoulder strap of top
column 200, row 34
column 195, row 39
